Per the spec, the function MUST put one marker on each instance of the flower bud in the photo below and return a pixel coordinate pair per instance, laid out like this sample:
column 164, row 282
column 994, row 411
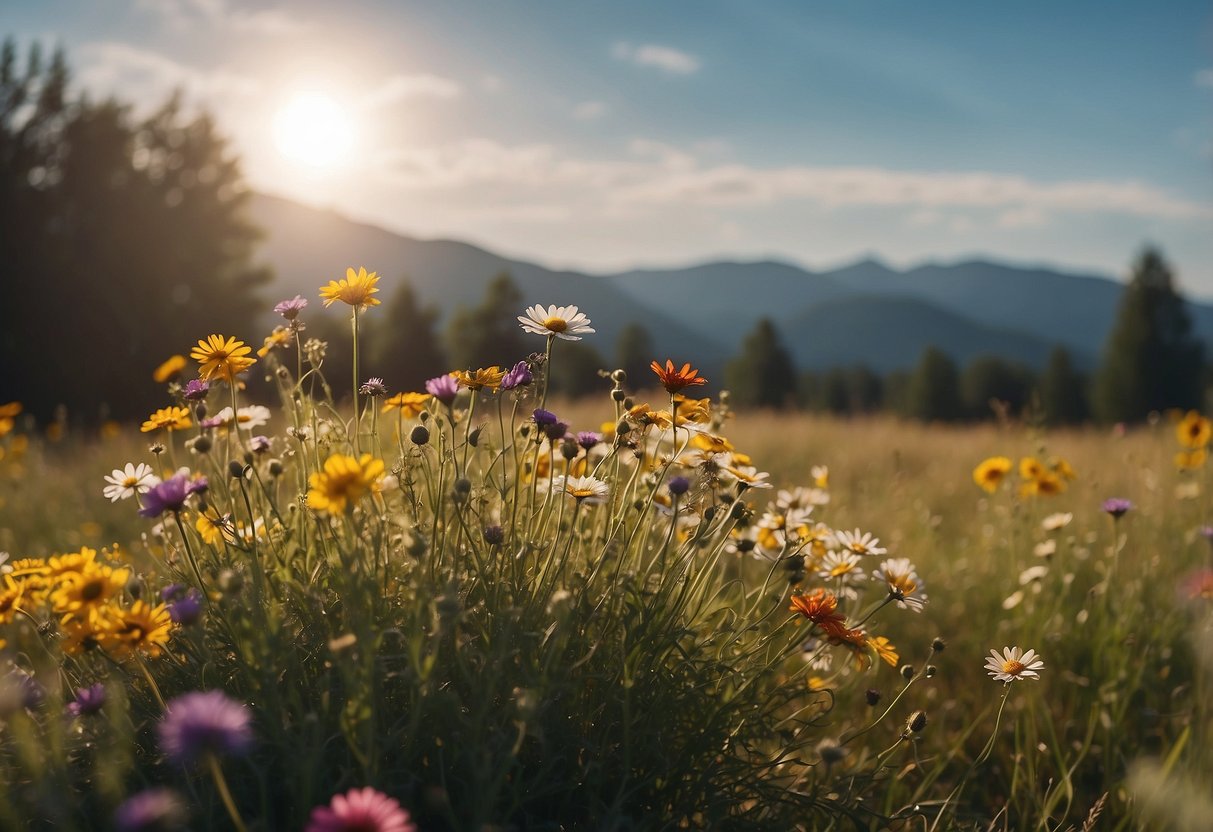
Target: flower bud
column 916, row 722
column 275, row 468
column 235, row 469
column 907, row 671
column 930, row 671
column 937, row 645
column 419, row 435
column 494, row 535
column 618, row 395
column 873, row 697
column 202, row 444
column 619, row 376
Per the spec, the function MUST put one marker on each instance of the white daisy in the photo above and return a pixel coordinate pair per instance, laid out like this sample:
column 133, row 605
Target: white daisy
column 749, row 475
column 1057, row 521
column 129, row 481
column 1014, row 665
column 842, row 567
column 861, row 543
column 903, row 582
column 562, row 321
column 587, row 489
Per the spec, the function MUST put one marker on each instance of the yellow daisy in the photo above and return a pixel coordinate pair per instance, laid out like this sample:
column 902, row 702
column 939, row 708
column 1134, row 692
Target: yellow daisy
column 222, row 357
column 344, row 481
column 356, row 289
column 409, row 404
column 991, row 472
column 167, row 418
column 169, row 370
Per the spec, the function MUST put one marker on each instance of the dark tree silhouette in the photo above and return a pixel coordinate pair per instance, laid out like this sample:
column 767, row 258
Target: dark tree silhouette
column 405, row 347
column 934, row 388
column 762, row 375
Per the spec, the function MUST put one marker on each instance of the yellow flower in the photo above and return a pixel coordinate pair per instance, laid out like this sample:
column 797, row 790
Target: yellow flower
column 60, row 566
column 214, row 527
column 169, row 370
column 10, row 594
column 991, row 472
column 409, row 404
column 141, row 628
column 344, row 481
column 692, row 411
column 222, row 357
column 1191, row 459
column 82, row 633
column 1030, row 468
column 1063, row 469
column 885, row 650
column 356, row 289
column 1194, row 431
column 643, row 415
column 479, row 379
column 280, row 337
column 89, row 589
column 167, row 418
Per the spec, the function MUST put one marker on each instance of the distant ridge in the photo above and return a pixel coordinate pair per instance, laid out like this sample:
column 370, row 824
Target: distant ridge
column 865, row 312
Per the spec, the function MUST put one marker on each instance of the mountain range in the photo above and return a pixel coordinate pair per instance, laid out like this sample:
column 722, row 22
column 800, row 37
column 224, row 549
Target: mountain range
column 863, row 313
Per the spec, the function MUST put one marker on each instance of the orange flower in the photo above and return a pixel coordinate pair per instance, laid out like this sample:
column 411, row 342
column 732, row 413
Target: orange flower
column 676, row 380
column 479, row 379
column 821, row 607
column 409, row 404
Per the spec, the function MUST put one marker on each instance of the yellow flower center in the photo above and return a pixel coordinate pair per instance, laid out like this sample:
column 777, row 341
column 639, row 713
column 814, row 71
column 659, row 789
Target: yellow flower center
column 556, row 324
column 1013, row 668
column 130, row 482
column 582, row 493
column 902, row 584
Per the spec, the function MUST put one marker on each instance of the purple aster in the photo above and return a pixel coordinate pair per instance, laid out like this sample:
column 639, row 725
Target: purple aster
column 373, row 387
column 187, row 609
column 204, row 722
column 678, row 485
column 361, row 810
column 1117, row 506
column 88, row 700
column 494, row 535
column 519, row 376
column 443, row 388
column 172, row 592
column 20, row 690
column 290, row 309
column 153, row 810
column 556, row 431
column 170, row 495
column 588, row 439
column 259, row 444
column 543, row 418
column 196, row 389
column 213, row 422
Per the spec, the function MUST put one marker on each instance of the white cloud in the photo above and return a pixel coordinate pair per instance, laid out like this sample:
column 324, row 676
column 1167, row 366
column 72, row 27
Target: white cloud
column 665, row 58
column 225, row 14
column 589, row 110
column 657, row 177
column 139, row 74
column 400, row 88
column 1204, row 78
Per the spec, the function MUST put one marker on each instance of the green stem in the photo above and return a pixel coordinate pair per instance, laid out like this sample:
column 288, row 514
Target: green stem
column 224, row 793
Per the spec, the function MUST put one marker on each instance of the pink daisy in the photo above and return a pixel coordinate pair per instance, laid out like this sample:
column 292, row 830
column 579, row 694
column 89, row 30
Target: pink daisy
column 361, row 810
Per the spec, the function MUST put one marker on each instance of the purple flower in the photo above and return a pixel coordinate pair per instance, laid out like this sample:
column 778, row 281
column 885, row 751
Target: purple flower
column 290, row 309
column 543, row 418
column 588, row 439
column 20, row 690
column 259, row 444
column 88, row 700
column 170, row 495
column 213, row 422
column 1117, row 506
column 373, row 387
column 172, row 592
column 556, row 431
column 519, row 376
column 678, row 485
column 204, row 722
column 187, row 609
column 443, row 388
column 196, row 389
column 153, row 810
column 361, row 810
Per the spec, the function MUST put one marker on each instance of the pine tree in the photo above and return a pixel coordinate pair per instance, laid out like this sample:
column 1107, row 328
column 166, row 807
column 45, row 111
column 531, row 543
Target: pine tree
column 1062, row 391
column 575, row 370
column 405, row 348
column 934, row 388
column 1151, row 360
column 763, row 374
column 488, row 334
column 989, row 379
column 633, row 353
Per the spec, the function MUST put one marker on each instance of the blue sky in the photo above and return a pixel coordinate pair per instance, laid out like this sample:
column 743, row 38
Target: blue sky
column 602, row 136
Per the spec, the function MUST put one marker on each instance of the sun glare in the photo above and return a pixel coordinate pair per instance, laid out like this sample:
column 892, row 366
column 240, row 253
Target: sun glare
column 312, row 129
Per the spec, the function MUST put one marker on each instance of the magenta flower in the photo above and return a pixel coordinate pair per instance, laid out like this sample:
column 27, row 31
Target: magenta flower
column 88, row 700
column 196, row 389
column 1117, row 507
column 588, row 439
column 204, row 722
column 373, row 386
column 544, row 418
column 443, row 388
column 518, row 376
column 152, row 810
column 290, row 309
column 170, row 495
column 361, row 810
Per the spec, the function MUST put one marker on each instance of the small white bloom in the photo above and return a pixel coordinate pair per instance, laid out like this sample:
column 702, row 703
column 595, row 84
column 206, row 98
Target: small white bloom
column 821, row 475
column 903, row 582
column 1057, row 521
column 1045, row 548
column 562, row 321
column 843, row 568
column 129, row 481
column 749, row 475
column 588, row 489
column 1014, row 665
column 861, row 543
column 1032, row 573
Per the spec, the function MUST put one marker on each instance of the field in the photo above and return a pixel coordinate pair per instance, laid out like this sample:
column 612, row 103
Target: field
column 599, row 632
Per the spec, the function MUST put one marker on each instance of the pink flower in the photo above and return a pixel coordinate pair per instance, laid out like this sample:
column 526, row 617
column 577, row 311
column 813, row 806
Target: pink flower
column 361, row 810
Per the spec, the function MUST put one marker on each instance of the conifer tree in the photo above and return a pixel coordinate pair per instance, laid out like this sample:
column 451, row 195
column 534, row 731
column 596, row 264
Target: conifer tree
column 934, row 388
column 1062, row 390
column 407, row 350
column 762, row 375
column 633, row 353
column 489, row 334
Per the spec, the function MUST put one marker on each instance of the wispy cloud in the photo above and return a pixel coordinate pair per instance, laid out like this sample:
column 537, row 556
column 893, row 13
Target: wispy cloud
column 400, row 88
column 666, row 58
column 589, row 110
column 658, row 177
column 140, row 74
column 227, row 15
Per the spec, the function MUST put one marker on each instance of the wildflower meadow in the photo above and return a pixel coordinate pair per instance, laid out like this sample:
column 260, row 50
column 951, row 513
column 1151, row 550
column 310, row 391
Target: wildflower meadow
column 476, row 606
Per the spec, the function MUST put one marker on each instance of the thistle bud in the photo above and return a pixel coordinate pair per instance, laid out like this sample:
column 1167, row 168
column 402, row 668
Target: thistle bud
column 201, row 444
column 916, row 722
column 619, row 376
column 235, row 469
column 907, row 671
column 937, row 645
column 419, row 435
column 873, row 697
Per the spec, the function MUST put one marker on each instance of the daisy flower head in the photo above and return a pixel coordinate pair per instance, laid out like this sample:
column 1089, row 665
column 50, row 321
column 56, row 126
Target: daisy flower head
column 140, row 628
column 280, row 337
column 290, row 309
column 1194, row 431
column 222, row 357
column 844, row 568
column 675, row 380
column 583, row 489
column 410, row 405
column 443, row 388
column 167, row 418
column 563, row 322
column 361, row 810
column 343, row 482
column 903, row 583
column 821, row 607
column 204, row 722
column 357, row 289
column 861, row 543
column 1014, row 665
column 169, row 370
column 489, row 377
column 128, row 481
column 1056, row 521
column 991, row 472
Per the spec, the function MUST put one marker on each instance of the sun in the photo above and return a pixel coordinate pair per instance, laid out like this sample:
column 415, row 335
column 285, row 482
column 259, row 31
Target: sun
column 312, row 129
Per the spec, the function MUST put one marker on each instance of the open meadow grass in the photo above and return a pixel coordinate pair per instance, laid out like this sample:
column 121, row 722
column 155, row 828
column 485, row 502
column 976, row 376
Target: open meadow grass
column 475, row 608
